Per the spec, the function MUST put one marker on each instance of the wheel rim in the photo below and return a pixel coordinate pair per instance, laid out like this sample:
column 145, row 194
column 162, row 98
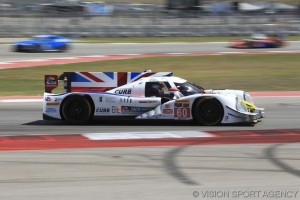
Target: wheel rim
column 76, row 110
column 210, row 112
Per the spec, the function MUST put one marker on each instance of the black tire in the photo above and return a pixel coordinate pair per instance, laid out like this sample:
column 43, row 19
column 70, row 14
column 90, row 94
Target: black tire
column 76, row 110
column 249, row 44
column 277, row 44
column 208, row 111
column 37, row 48
column 17, row 48
column 64, row 48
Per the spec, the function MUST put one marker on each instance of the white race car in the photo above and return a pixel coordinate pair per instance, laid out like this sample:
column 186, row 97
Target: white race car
column 143, row 95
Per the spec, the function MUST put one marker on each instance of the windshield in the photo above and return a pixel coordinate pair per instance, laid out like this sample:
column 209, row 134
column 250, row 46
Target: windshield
column 39, row 38
column 188, row 88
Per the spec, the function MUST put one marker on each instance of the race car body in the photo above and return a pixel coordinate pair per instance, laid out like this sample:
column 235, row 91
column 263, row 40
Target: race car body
column 41, row 43
column 258, row 41
column 143, row 95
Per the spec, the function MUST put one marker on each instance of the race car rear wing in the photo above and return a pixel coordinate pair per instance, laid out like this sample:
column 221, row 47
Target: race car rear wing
column 96, row 81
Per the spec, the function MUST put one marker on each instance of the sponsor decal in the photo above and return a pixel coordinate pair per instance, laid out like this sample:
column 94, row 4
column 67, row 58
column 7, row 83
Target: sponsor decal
column 178, row 105
column 167, row 106
column 102, row 110
column 147, row 101
column 53, row 103
column 167, row 111
column 58, row 99
column 116, row 109
column 100, row 99
column 51, row 110
column 185, row 105
column 123, row 91
column 51, row 80
column 183, row 101
column 48, row 99
column 133, row 110
column 182, row 113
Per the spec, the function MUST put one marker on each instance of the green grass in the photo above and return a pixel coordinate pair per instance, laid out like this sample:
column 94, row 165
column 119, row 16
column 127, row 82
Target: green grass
column 167, row 39
column 246, row 72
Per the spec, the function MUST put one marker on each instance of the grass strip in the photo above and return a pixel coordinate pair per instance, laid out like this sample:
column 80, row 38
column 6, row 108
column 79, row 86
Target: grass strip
column 272, row 72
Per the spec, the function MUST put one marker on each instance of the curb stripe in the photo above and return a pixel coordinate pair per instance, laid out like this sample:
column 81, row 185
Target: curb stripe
column 43, row 142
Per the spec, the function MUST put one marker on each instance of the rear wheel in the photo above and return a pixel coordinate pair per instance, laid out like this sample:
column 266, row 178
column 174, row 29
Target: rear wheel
column 77, row 110
column 64, row 48
column 208, row 111
column 277, row 44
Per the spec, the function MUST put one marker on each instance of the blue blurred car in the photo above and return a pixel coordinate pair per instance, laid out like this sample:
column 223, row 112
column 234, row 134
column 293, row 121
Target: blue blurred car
column 41, row 43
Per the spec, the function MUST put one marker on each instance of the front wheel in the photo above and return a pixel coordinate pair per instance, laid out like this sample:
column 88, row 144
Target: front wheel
column 76, row 110
column 208, row 111
column 64, row 48
column 17, row 48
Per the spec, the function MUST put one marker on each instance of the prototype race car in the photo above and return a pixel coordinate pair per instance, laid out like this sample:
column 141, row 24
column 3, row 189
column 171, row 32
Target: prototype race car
column 40, row 43
column 258, row 41
column 143, row 95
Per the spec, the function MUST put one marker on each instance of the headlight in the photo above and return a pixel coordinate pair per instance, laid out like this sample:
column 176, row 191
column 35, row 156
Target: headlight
column 247, row 97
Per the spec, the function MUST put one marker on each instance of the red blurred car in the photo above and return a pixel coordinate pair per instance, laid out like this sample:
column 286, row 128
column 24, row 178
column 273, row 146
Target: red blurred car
column 258, row 41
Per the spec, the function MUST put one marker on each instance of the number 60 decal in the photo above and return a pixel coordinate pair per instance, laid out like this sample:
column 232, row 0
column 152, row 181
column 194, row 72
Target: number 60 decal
column 182, row 113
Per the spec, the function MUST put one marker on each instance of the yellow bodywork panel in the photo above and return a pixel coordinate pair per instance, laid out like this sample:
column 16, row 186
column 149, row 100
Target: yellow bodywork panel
column 249, row 105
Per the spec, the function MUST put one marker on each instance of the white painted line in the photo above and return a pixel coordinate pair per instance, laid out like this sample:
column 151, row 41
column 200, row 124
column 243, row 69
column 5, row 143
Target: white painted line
column 177, row 53
column 93, row 56
column 232, row 52
column 132, row 54
column 275, row 96
column 65, row 58
column 33, row 60
column 146, row 135
column 290, row 51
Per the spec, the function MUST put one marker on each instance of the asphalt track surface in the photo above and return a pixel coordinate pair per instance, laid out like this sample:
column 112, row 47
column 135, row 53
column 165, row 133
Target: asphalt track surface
column 231, row 171
column 81, row 49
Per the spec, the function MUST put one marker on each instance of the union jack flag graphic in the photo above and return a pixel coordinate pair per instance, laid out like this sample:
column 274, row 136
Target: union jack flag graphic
column 103, row 81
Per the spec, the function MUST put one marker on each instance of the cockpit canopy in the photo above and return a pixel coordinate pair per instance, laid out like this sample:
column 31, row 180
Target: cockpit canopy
column 258, row 36
column 188, row 88
column 166, row 87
